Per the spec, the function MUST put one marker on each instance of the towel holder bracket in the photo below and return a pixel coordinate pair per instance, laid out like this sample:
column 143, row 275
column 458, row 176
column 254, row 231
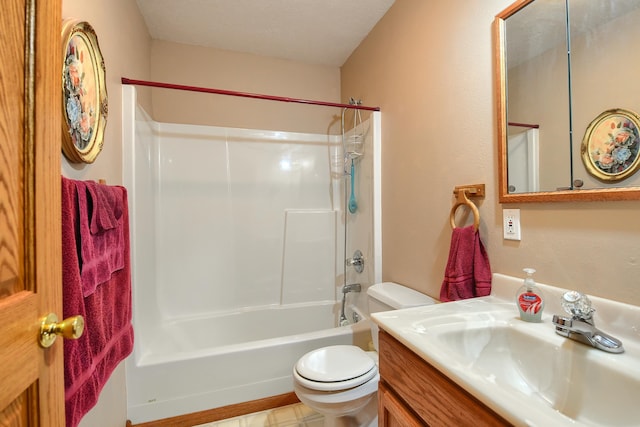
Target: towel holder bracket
column 471, row 190
column 462, row 193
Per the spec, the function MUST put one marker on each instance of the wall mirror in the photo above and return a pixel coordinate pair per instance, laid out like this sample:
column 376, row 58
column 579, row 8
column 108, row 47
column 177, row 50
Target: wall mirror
column 567, row 98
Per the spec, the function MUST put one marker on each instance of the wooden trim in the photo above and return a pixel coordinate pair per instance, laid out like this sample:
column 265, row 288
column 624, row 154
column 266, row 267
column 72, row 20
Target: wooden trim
column 33, row 396
column 392, row 412
column 513, row 8
column 578, row 195
column 595, row 195
column 47, row 236
column 500, row 100
column 223, row 412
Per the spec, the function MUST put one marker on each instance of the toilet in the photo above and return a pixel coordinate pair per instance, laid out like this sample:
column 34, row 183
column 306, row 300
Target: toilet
column 341, row 381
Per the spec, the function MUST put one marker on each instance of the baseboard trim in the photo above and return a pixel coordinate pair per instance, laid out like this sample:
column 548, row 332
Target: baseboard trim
column 224, row 412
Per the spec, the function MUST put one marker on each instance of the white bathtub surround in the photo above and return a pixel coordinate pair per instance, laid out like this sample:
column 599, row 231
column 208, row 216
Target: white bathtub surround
column 238, row 243
column 309, row 258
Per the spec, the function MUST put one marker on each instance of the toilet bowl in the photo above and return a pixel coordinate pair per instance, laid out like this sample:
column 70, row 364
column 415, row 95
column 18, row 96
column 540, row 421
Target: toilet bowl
column 341, row 381
column 336, row 380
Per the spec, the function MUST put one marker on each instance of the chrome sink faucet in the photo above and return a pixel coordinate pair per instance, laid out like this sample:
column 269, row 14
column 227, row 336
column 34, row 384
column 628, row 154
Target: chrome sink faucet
column 581, row 326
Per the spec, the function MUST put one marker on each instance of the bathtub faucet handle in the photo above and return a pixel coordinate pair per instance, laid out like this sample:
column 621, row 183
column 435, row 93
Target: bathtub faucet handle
column 357, row 262
column 354, row 287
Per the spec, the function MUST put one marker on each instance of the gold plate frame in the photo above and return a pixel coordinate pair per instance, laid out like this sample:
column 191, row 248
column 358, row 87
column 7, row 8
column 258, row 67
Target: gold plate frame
column 84, row 93
column 610, row 145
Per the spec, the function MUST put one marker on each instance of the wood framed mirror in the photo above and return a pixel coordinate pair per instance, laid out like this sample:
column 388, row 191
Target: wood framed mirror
column 553, row 77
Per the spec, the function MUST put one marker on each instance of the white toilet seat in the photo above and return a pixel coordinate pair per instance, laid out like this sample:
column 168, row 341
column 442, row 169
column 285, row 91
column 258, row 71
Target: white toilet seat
column 335, row 368
column 350, row 397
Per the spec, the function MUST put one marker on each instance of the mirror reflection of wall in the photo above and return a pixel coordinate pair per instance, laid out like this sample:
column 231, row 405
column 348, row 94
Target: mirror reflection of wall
column 544, row 90
column 604, row 70
column 537, row 86
column 523, row 157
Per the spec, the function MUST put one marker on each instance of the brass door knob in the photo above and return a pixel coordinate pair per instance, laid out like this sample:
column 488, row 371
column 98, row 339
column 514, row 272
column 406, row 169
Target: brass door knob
column 70, row 328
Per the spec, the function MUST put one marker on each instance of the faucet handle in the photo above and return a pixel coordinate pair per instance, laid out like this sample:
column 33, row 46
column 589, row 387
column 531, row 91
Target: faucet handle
column 357, row 261
column 577, row 304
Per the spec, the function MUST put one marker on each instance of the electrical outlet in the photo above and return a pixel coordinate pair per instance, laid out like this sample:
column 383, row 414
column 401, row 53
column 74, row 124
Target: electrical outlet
column 511, row 224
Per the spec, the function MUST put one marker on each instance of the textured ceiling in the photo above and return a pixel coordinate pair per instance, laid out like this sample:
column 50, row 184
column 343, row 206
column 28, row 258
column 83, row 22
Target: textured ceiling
column 312, row 31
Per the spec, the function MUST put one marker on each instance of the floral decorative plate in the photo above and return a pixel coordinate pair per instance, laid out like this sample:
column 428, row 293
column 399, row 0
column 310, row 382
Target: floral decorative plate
column 84, row 93
column 610, row 145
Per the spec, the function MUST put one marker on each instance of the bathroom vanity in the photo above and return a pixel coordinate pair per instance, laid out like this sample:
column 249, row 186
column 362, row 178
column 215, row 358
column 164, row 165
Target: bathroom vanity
column 475, row 362
column 412, row 393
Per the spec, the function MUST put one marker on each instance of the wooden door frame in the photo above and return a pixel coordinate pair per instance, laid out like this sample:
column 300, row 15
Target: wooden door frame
column 45, row 233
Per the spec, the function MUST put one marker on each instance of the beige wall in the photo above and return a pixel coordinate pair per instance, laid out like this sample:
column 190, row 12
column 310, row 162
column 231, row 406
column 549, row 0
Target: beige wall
column 125, row 45
column 530, row 86
column 220, row 69
column 428, row 65
column 597, row 86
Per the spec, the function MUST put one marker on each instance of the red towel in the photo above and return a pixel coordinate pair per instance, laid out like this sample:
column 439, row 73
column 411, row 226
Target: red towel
column 108, row 335
column 468, row 273
column 101, row 233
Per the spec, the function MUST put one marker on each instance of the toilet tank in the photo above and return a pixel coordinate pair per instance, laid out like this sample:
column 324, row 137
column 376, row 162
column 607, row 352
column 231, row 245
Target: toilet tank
column 392, row 296
column 388, row 296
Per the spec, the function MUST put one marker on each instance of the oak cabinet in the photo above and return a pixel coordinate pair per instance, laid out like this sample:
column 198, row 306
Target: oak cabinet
column 393, row 412
column 414, row 393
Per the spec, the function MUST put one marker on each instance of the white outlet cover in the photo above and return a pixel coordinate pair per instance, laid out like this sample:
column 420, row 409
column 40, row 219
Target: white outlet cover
column 511, row 224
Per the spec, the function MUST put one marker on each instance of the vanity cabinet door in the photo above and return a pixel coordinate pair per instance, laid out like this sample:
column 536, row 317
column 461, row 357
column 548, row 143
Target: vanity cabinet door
column 432, row 396
column 392, row 412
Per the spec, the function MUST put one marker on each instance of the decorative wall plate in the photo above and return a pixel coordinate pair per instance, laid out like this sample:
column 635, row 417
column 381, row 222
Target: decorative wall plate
column 84, row 93
column 610, row 145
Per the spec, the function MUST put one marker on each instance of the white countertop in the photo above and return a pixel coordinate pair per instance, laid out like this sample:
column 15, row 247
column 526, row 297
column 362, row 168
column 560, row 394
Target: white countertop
column 524, row 371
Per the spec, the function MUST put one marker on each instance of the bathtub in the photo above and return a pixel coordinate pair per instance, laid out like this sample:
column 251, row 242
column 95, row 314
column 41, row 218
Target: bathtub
column 188, row 367
column 212, row 329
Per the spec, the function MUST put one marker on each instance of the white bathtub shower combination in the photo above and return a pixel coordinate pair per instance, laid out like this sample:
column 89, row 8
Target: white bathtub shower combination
column 238, row 246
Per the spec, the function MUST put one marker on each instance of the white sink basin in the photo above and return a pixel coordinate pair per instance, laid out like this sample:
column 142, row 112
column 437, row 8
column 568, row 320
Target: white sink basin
column 525, row 371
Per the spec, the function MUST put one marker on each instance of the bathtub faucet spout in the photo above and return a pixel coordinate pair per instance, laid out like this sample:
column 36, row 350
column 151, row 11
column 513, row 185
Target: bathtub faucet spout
column 354, row 287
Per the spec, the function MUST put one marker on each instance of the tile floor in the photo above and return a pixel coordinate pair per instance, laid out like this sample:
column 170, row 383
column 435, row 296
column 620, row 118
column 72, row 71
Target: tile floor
column 297, row 415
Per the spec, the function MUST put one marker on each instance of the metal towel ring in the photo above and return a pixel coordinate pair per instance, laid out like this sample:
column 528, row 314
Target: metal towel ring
column 461, row 200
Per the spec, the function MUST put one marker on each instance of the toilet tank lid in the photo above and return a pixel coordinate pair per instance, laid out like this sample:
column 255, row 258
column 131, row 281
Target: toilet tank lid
column 398, row 296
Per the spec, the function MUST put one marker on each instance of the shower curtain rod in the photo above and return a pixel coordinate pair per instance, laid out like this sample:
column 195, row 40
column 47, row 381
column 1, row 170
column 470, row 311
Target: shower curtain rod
column 126, row 81
column 523, row 125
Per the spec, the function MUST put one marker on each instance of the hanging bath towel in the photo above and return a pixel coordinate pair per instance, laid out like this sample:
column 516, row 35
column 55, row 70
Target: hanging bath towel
column 468, row 273
column 106, row 308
